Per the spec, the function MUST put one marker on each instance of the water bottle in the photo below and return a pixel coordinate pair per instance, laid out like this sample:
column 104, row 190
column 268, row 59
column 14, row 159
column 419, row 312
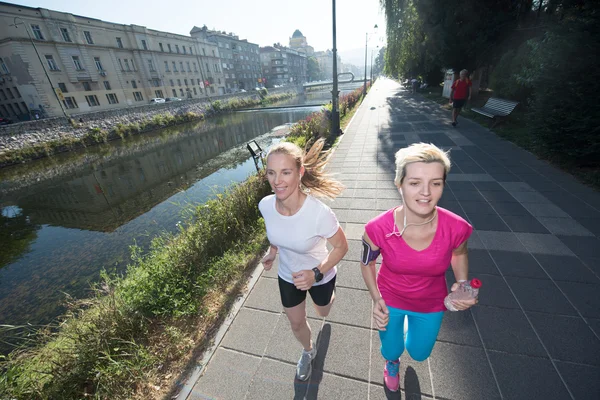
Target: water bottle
column 466, row 291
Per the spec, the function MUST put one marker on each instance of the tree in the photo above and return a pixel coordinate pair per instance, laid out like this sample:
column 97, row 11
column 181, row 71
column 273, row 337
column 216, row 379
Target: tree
column 314, row 69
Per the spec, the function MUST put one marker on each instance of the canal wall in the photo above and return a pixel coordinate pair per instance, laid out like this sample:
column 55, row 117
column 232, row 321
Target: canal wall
column 29, row 134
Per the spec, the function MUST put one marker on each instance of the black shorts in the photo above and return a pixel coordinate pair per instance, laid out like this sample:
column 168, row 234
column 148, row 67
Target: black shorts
column 459, row 103
column 292, row 296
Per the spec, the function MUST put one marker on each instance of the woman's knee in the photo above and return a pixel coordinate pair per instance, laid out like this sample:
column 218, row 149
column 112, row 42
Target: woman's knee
column 419, row 353
column 297, row 324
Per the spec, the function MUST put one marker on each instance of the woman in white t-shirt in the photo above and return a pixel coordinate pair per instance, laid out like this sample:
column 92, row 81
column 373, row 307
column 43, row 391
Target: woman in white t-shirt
column 299, row 227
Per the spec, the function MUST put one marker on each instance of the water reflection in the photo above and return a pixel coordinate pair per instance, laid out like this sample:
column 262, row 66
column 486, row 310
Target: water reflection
column 64, row 219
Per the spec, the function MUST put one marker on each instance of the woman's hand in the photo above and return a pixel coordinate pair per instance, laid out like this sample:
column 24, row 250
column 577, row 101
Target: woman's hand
column 267, row 260
column 462, row 305
column 381, row 314
column 304, row 280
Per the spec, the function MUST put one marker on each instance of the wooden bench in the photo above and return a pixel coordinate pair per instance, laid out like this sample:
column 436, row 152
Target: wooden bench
column 497, row 109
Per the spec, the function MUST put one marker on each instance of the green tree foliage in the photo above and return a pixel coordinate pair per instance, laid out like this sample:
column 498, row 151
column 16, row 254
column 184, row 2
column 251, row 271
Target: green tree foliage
column 314, row 69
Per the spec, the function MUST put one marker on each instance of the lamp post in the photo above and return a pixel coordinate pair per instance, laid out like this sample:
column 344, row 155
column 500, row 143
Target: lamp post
column 335, row 112
column 15, row 24
column 372, row 51
column 366, row 45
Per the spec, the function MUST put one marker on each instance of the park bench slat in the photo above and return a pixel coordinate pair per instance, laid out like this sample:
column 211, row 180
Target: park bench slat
column 496, row 107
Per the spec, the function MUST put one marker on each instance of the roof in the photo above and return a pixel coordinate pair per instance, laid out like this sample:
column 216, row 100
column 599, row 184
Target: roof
column 297, row 34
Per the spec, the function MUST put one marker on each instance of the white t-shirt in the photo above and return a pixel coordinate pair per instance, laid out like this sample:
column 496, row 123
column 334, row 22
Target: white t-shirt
column 301, row 238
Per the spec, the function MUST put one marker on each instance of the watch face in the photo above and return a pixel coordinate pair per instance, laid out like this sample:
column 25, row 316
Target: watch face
column 318, row 274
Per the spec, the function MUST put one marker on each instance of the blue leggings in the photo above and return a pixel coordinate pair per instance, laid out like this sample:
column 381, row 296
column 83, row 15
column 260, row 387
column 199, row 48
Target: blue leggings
column 422, row 332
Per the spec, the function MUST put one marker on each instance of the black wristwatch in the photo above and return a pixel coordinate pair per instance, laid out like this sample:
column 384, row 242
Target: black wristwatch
column 318, row 274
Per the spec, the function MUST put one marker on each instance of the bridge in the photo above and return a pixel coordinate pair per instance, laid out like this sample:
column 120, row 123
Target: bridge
column 340, row 82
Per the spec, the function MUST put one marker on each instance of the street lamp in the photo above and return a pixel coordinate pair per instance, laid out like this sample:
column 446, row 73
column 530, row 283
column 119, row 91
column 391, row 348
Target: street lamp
column 335, row 111
column 366, row 44
column 372, row 51
column 15, row 24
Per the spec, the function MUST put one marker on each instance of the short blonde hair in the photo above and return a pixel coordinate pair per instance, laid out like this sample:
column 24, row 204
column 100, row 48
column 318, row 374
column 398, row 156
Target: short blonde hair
column 420, row 152
column 465, row 72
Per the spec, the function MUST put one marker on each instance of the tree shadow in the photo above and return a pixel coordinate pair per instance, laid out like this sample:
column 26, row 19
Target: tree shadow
column 318, row 364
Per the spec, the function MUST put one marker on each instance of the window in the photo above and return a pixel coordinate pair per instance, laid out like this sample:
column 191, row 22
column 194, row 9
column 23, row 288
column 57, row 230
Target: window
column 18, row 108
column 65, row 34
column 98, row 64
column 4, row 111
column 195, row 67
column 121, row 64
column 178, row 82
column 181, row 66
column 174, row 67
column 189, row 68
column 177, row 48
column 161, row 47
column 10, row 93
column 215, row 68
column 199, row 82
column 167, row 66
column 213, row 53
column 219, row 80
column 169, row 46
column 137, row 96
column 185, row 82
column 77, row 63
column 195, row 92
column 24, row 107
column 37, row 32
column 171, row 82
column 17, row 92
column 5, row 69
column 203, row 51
column 151, row 65
column 70, row 103
column 107, row 85
column 133, row 66
column 174, row 92
column 119, row 43
column 51, row 63
column 227, row 45
column 92, row 101
column 191, row 52
column 86, row 86
column 112, row 98
column 127, row 68
column 133, row 84
column 207, row 68
column 158, row 93
column 183, row 48
column 155, row 82
column 181, row 91
column 88, row 37
column 63, row 87
column 225, row 65
column 12, row 110
column 144, row 45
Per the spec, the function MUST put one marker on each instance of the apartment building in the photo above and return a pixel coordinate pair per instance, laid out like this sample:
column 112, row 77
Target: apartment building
column 54, row 63
column 240, row 60
column 283, row 66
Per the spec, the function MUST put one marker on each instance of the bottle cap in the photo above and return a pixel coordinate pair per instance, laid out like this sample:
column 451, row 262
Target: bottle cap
column 475, row 283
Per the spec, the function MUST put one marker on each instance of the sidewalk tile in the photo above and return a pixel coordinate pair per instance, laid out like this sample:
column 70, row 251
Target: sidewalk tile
column 507, row 330
column 501, row 241
column 284, row 346
column 344, row 350
column 251, row 331
column 461, row 372
column 459, row 328
column 585, row 296
column 540, row 295
column 582, row 380
column 275, row 380
column 513, row 263
column 330, row 387
column 525, row 224
column 564, row 226
column 567, row 338
column 495, row 292
column 481, row 262
column 351, row 307
column 537, row 378
column 582, row 246
column 565, row 268
column 265, row 295
column 349, row 275
column 543, row 244
column 239, row 370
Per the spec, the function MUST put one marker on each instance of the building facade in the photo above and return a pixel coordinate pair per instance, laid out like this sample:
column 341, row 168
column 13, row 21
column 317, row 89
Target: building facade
column 299, row 43
column 54, row 63
column 240, row 60
column 283, row 66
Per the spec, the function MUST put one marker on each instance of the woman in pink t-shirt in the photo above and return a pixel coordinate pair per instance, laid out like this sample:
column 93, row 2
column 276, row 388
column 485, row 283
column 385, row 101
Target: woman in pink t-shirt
column 417, row 241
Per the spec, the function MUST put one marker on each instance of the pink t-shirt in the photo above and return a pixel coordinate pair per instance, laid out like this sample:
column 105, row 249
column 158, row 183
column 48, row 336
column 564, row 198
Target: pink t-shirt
column 415, row 280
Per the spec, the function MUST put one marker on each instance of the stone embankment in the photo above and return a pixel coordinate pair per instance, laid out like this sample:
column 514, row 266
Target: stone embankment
column 26, row 135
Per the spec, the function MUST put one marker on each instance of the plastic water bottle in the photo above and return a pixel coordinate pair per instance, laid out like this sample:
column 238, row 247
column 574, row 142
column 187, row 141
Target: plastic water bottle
column 466, row 291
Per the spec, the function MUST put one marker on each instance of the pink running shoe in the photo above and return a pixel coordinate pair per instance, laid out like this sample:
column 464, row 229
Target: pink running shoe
column 391, row 376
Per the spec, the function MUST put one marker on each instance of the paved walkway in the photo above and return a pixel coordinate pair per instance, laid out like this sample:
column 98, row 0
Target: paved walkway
column 535, row 334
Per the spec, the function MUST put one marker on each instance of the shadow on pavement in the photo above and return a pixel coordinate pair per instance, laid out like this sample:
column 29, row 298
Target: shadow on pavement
column 318, row 364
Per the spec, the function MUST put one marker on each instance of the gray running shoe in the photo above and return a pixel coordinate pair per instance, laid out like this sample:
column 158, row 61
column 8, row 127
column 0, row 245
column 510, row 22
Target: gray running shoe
column 304, row 367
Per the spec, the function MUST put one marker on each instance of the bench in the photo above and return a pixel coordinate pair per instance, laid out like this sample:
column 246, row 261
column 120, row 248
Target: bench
column 497, row 109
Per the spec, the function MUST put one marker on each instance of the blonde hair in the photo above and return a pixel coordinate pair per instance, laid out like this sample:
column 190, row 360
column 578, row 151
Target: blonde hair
column 464, row 71
column 420, row 152
column 314, row 179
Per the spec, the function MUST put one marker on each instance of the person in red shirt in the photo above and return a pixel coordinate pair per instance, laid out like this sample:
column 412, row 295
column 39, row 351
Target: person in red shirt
column 461, row 92
column 417, row 240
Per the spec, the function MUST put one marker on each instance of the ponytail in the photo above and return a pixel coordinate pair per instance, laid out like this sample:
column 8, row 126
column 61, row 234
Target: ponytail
column 315, row 178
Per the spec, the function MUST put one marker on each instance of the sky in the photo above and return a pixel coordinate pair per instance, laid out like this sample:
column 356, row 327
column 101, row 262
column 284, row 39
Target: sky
column 260, row 21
